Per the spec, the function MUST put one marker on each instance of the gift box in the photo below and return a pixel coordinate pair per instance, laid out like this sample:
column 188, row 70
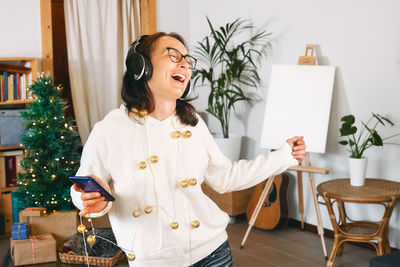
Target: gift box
column 19, row 231
column 33, row 211
column 36, row 249
column 61, row 224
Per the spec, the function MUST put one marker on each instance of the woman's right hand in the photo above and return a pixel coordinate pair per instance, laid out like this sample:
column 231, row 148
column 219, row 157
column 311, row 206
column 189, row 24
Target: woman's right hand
column 93, row 202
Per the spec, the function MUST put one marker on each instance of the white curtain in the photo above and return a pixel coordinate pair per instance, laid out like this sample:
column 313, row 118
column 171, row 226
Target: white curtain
column 99, row 33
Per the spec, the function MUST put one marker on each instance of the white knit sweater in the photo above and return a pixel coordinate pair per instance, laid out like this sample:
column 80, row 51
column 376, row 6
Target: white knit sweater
column 114, row 151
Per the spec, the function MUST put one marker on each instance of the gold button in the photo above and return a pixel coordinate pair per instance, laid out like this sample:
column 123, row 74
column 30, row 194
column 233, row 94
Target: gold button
column 192, row 181
column 176, row 134
column 136, row 213
column 135, row 110
column 131, row 257
column 91, row 239
column 142, row 165
column 154, row 159
column 143, row 113
column 195, row 224
column 187, row 134
column 148, row 209
column 81, row 228
column 183, row 183
column 174, row 225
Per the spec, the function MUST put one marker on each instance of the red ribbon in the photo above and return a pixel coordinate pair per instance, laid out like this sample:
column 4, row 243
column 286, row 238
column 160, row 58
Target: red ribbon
column 33, row 241
column 33, row 209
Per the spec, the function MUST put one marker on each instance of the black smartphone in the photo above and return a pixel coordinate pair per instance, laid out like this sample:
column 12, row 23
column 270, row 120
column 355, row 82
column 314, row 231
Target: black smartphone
column 88, row 185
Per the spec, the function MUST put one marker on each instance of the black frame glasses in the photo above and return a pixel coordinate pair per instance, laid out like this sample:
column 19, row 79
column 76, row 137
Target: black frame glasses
column 177, row 56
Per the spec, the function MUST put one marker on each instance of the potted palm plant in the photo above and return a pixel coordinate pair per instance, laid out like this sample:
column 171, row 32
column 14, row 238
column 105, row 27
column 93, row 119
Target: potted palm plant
column 357, row 144
column 230, row 67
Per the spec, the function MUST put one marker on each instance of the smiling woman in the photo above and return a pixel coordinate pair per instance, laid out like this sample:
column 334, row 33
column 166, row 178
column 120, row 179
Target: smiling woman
column 154, row 153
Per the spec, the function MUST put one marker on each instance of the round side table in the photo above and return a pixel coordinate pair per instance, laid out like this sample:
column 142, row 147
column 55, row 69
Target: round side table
column 375, row 191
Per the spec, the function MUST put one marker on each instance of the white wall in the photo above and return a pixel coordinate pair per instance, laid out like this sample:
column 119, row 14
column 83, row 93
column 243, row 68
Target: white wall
column 20, row 32
column 360, row 37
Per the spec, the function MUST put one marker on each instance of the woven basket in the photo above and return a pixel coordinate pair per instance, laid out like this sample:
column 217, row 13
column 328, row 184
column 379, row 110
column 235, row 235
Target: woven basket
column 72, row 258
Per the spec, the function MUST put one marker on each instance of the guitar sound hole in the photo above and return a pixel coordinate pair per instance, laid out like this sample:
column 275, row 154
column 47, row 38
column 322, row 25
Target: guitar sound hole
column 271, row 196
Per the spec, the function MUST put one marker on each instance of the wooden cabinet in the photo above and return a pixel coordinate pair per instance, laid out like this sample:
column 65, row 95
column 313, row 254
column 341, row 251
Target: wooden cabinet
column 233, row 203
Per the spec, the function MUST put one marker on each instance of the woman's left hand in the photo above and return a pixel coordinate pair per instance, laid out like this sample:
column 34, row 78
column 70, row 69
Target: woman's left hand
column 298, row 147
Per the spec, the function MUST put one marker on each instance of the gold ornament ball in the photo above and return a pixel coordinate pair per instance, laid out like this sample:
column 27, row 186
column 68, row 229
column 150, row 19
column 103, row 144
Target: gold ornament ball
column 142, row 165
column 154, row 159
column 136, row 213
column 143, row 113
column 192, row 181
column 174, row 225
column 183, row 183
column 176, row 134
column 81, row 228
column 131, row 257
column 195, row 224
column 148, row 209
column 91, row 239
column 187, row 134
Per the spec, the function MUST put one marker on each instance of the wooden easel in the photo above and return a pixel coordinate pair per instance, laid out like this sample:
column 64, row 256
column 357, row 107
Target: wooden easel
column 299, row 169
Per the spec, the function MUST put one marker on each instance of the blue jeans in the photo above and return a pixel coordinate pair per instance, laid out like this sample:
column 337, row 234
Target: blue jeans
column 221, row 257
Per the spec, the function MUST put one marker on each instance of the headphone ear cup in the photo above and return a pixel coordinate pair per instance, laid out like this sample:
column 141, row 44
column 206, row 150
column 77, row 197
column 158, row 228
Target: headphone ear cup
column 135, row 64
column 148, row 68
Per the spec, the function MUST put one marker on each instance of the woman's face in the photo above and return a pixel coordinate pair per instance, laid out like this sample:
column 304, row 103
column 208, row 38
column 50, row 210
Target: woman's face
column 169, row 79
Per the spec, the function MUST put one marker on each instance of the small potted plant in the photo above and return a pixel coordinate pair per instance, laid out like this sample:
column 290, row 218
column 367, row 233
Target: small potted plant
column 357, row 144
column 230, row 56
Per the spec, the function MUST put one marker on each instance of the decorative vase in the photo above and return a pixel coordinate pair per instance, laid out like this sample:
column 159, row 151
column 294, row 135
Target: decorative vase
column 230, row 146
column 357, row 170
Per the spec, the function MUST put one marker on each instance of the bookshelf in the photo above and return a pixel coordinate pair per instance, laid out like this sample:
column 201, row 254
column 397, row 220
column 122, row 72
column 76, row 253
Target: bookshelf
column 21, row 71
column 16, row 73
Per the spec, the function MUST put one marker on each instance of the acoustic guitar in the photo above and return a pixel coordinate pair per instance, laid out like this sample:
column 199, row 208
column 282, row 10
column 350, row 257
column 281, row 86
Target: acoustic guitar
column 274, row 211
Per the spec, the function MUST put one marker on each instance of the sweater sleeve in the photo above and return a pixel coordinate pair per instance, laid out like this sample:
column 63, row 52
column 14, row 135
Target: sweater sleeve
column 93, row 163
column 223, row 175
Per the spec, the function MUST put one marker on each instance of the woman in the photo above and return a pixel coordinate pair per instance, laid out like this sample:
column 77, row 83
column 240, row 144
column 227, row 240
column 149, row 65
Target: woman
column 154, row 153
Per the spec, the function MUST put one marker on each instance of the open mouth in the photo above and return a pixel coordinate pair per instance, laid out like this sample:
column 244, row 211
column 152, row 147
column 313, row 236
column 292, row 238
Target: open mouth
column 179, row 77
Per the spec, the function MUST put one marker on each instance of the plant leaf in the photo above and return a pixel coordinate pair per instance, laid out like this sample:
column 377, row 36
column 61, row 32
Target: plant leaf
column 348, row 119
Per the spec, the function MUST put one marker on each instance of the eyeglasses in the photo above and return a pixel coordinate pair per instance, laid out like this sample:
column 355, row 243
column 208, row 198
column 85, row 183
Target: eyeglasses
column 177, row 56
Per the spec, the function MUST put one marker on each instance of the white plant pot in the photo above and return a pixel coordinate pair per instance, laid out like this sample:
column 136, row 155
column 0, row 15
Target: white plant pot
column 230, row 146
column 357, row 170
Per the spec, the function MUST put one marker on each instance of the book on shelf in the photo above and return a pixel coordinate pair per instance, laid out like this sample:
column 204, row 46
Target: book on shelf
column 5, row 75
column 10, row 167
column 10, row 163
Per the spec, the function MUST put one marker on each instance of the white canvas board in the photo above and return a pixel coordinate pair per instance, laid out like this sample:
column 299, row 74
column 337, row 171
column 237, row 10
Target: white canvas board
column 298, row 103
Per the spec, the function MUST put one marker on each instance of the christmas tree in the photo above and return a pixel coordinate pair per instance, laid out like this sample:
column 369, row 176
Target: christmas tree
column 52, row 150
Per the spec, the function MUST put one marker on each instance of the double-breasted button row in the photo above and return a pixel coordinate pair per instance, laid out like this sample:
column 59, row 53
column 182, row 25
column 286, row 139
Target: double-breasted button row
column 175, row 225
column 178, row 134
column 186, row 182
column 140, row 113
column 148, row 209
column 153, row 159
column 137, row 212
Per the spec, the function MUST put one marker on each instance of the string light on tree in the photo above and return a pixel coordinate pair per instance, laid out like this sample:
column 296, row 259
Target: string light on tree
column 46, row 140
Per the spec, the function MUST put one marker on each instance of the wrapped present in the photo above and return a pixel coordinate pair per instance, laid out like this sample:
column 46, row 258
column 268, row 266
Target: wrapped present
column 61, row 224
column 19, row 231
column 33, row 211
column 36, row 249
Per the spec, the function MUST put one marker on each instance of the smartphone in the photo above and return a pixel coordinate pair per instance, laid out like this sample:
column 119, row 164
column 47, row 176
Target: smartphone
column 88, row 185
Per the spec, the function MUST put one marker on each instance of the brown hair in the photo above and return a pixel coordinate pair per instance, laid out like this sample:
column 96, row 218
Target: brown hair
column 137, row 95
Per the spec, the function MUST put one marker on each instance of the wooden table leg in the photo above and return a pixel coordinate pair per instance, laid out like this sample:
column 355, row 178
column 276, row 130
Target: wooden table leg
column 337, row 239
column 257, row 209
